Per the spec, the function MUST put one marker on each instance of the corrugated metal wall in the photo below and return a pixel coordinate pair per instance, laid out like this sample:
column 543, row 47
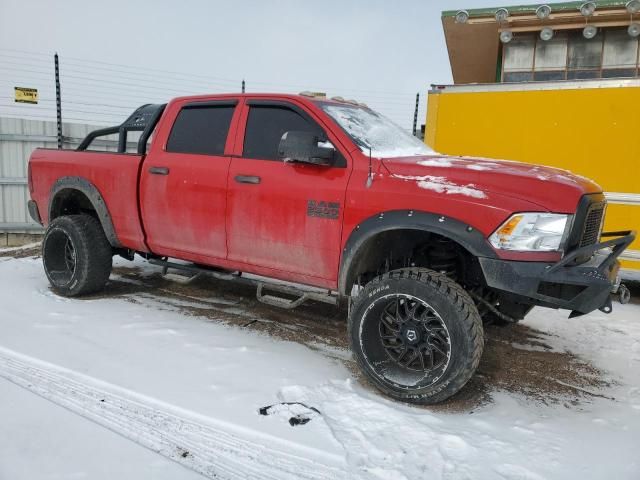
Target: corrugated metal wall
column 18, row 138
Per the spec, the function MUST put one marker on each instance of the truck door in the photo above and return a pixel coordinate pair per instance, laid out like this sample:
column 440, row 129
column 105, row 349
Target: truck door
column 183, row 190
column 284, row 216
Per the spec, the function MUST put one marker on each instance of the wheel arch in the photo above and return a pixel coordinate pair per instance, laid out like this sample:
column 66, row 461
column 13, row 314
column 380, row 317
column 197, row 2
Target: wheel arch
column 76, row 192
column 364, row 236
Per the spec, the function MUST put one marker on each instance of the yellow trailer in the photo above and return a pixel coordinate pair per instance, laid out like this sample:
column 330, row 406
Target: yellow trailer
column 590, row 127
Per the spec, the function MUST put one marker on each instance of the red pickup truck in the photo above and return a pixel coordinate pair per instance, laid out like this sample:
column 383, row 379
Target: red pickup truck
column 328, row 193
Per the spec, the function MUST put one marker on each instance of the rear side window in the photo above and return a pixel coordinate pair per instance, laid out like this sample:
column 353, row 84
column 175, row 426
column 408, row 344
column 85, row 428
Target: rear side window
column 201, row 129
column 265, row 127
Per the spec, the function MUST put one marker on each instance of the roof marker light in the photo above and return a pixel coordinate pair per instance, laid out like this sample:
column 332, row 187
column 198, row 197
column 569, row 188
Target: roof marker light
column 307, row 93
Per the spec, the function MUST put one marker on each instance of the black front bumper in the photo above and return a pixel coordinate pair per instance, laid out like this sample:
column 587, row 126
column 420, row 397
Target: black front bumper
column 581, row 288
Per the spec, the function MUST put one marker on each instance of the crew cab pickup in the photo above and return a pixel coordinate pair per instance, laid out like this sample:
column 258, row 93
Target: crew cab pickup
column 328, row 193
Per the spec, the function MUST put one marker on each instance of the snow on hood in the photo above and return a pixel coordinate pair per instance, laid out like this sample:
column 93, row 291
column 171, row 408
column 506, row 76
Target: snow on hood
column 442, row 185
column 552, row 188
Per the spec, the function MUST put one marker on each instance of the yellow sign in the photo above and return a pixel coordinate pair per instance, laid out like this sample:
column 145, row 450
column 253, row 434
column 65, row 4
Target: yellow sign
column 26, row 95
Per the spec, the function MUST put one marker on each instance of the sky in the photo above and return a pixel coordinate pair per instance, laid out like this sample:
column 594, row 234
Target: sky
column 119, row 54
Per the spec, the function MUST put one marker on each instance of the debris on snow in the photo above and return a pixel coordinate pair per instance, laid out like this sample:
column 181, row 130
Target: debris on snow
column 178, row 360
column 297, row 413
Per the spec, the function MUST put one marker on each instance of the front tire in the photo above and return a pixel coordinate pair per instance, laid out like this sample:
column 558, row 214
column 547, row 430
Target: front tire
column 77, row 256
column 416, row 334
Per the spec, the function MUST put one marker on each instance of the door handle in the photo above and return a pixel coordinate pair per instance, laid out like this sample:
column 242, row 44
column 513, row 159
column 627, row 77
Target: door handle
column 247, row 179
column 159, row 170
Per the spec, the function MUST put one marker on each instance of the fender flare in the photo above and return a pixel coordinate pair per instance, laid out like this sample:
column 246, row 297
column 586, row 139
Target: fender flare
column 467, row 236
column 91, row 192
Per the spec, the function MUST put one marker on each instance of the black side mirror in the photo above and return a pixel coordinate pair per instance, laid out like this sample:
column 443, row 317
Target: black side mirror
column 298, row 146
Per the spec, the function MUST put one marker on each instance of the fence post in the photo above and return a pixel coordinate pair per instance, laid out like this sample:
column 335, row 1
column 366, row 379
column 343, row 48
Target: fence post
column 243, row 85
column 58, row 102
column 415, row 115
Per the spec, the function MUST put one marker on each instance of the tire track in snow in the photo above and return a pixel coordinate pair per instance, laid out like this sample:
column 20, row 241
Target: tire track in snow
column 208, row 446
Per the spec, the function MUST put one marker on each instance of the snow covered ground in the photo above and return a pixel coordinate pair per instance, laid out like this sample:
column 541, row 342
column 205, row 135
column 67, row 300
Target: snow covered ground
column 142, row 384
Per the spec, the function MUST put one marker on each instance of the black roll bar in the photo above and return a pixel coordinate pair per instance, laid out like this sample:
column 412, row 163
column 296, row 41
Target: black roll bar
column 143, row 119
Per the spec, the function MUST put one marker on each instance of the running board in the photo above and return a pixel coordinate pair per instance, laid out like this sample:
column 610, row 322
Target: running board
column 178, row 278
column 195, row 270
column 286, row 303
column 300, row 295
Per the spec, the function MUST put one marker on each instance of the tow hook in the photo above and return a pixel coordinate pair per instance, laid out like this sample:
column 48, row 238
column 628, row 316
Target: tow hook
column 607, row 307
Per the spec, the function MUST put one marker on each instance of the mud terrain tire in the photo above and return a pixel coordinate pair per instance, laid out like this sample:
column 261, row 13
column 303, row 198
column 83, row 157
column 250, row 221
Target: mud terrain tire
column 426, row 314
column 76, row 255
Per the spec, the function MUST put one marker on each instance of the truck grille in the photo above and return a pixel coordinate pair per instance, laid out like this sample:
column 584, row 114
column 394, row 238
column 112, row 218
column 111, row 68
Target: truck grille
column 592, row 225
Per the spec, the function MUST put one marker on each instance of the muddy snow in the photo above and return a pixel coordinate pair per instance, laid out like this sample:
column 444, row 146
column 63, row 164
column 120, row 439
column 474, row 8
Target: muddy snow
column 153, row 379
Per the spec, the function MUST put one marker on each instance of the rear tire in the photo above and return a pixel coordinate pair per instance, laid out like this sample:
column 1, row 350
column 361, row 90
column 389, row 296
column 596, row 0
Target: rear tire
column 416, row 334
column 77, row 256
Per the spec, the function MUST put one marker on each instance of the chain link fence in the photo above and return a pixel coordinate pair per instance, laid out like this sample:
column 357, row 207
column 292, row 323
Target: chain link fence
column 79, row 95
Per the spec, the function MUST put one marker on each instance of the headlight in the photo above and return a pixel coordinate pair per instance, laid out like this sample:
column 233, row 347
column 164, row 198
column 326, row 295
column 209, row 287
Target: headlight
column 532, row 232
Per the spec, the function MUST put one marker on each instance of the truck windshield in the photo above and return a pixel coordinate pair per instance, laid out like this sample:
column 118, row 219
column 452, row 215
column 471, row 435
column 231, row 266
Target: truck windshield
column 370, row 130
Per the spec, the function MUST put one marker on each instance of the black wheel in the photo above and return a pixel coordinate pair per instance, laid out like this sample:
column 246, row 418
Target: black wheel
column 76, row 255
column 416, row 334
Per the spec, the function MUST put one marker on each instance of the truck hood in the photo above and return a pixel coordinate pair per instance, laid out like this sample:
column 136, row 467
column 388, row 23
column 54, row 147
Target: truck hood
column 551, row 188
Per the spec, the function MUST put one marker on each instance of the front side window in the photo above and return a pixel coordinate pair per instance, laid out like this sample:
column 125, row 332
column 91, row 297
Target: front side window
column 201, row 130
column 265, row 127
column 372, row 132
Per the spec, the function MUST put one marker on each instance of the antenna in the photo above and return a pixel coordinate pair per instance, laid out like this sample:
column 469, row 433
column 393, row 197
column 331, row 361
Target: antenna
column 370, row 176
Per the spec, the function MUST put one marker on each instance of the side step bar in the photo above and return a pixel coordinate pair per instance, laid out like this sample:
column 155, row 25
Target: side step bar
column 181, row 279
column 286, row 303
column 300, row 295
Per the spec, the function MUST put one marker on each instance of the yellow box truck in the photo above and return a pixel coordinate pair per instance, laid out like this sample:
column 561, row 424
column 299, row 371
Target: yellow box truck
column 590, row 127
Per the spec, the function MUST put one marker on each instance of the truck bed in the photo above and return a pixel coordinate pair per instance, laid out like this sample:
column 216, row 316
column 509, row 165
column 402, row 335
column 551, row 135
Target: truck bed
column 115, row 175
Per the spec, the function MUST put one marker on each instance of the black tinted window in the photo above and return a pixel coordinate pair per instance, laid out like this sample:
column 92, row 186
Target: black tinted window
column 201, row 130
column 265, row 128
